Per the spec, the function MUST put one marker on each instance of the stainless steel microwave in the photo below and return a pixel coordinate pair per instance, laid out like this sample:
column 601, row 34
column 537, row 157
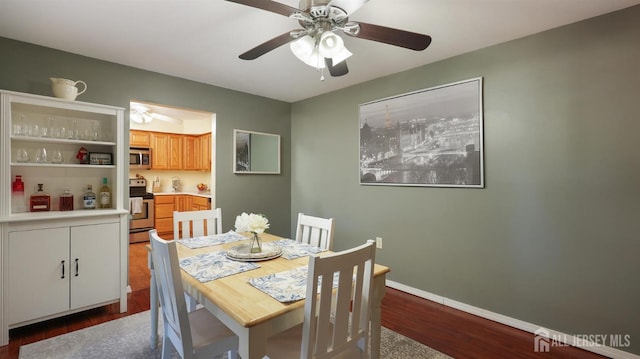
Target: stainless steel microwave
column 139, row 158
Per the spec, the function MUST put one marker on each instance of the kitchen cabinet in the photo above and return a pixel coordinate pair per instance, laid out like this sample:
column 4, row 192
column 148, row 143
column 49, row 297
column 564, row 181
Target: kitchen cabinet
column 166, row 151
column 183, row 203
column 166, row 204
column 192, row 153
column 139, row 138
column 200, row 203
column 164, row 207
column 205, row 142
column 172, row 151
column 34, row 244
column 73, row 267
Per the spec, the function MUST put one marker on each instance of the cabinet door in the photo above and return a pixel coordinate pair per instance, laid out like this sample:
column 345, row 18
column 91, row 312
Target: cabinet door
column 192, row 153
column 205, row 143
column 175, row 152
column 160, row 151
column 139, row 138
column 184, row 203
column 95, row 264
column 38, row 284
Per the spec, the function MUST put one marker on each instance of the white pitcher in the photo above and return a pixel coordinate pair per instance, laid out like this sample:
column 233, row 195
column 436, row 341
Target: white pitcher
column 66, row 89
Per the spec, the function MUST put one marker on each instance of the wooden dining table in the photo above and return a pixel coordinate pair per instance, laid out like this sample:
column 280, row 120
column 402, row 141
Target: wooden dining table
column 250, row 313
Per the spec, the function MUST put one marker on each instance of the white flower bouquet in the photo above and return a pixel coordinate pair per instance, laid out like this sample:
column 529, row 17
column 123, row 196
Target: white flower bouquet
column 254, row 223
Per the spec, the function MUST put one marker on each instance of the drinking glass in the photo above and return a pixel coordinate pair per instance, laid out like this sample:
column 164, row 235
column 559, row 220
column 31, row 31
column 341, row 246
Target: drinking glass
column 56, row 156
column 41, row 155
column 34, row 130
column 45, row 131
column 22, row 155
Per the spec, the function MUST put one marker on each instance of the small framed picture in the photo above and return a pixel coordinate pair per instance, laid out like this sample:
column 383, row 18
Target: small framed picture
column 100, row 158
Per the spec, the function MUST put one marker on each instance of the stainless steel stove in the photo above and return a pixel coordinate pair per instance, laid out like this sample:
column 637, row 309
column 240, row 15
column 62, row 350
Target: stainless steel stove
column 141, row 208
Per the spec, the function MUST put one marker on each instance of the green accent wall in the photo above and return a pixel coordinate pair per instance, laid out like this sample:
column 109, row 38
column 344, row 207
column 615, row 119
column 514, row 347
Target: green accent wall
column 554, row 237
column 27, row 68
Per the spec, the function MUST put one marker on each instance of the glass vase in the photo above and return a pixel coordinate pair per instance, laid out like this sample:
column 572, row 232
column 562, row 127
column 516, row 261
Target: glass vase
column 256, row 243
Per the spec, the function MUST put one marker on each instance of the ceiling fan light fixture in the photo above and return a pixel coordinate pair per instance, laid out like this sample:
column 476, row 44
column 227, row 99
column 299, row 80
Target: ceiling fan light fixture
column 135, row 117
column 302, row 47
column 330, row 44
column 306, row 51
column 341, row 56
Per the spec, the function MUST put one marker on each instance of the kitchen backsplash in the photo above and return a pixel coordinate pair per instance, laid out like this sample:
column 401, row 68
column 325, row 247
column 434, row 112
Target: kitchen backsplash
column 188, row 179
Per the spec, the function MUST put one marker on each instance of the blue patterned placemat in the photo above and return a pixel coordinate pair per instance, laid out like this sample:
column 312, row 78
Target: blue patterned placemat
column 212, row 240
column 287, row 286
column 292, row 249
column 211, row 266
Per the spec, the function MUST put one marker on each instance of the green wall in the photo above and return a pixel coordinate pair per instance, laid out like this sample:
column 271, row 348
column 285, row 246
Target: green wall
column 554, row 238
column 27, row 68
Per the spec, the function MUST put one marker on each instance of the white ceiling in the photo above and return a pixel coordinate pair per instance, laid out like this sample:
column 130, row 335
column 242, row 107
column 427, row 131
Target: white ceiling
column 200, row 40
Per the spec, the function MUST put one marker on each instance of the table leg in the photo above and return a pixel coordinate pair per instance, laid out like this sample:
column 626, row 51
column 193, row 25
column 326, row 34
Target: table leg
column 253, row 342
column 379, row 290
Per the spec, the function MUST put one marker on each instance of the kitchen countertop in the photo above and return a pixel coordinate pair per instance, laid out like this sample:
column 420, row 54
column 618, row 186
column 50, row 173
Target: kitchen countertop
column 204, row 194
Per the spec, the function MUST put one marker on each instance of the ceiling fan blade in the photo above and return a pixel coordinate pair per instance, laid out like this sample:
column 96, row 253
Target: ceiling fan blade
column 267, row 46
column 396, row 37
column 268, row 5
column 339, row 69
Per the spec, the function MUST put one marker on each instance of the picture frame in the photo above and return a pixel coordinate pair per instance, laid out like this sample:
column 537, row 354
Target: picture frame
column 100, row 158
column 430, row 138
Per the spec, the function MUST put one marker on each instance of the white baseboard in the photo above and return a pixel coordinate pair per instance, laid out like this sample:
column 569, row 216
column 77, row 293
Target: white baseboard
column 516, row 323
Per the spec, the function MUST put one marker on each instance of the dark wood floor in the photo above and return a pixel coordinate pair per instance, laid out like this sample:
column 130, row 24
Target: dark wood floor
column 450, row 331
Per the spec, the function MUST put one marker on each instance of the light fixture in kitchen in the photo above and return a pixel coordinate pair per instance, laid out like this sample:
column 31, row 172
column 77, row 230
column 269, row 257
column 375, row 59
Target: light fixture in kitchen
column 140, row 113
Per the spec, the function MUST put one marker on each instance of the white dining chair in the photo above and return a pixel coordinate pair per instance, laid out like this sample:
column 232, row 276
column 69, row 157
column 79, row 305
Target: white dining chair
column 197, row 223
column 191, row 224
column 336, row 322
column 315, row 231
column 198, row 334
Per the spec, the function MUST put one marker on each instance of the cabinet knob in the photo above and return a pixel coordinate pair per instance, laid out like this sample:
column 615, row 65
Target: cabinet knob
column 62, row 277
column 77, row 267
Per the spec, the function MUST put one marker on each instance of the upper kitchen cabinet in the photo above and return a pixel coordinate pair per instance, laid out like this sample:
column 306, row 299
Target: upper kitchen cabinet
column 166, row 151
column 172, row 151
column 139, row 138
column 192, row 153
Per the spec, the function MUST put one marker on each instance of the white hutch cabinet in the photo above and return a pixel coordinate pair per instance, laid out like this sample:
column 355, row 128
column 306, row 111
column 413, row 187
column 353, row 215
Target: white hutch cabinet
column 56, row 262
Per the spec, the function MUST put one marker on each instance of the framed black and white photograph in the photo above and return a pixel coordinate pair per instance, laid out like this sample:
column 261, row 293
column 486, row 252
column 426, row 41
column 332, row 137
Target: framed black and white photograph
column 242, row 143
column 432, row 137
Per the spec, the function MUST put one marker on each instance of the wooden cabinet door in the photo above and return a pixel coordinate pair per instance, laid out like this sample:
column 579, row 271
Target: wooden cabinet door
column 192, row 153
column 184, row 203
column 95, row 264
column 160, row 151
column 139, row 138
column 205, row 144
column 164, row 207
column 175, row 151
column 38, row 285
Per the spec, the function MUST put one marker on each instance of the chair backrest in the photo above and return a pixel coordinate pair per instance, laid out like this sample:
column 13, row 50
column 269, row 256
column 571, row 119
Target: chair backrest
column 197, row 223
column 335, row 322
column 315, row 231
column 171, row 293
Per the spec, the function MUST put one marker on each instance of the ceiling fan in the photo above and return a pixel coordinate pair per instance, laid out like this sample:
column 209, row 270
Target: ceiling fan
column 141, row 113
column 317, row 43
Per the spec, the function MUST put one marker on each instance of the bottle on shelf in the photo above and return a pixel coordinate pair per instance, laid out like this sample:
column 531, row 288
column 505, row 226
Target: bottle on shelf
column 89, row 198
column 105, row 194
column 18, row 204
column 40, row 200
column 66, row 200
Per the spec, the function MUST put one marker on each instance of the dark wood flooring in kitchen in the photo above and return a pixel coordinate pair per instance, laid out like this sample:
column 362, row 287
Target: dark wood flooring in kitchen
column 450, row 331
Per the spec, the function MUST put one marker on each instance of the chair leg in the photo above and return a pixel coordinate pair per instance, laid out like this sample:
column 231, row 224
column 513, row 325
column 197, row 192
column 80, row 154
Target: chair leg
column 166, row 349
